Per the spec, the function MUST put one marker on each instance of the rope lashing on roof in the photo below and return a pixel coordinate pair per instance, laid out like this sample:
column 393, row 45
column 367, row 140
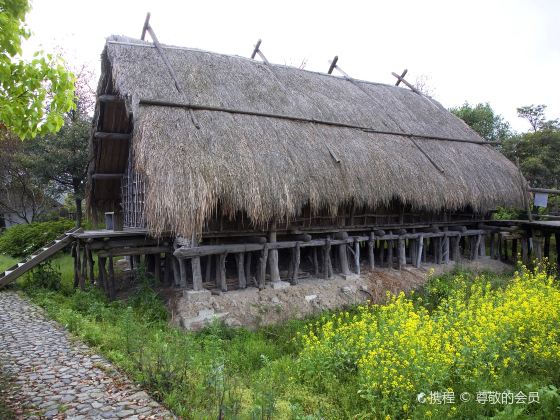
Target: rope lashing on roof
column 198, row 107
column 258, row 51
column 149, row 29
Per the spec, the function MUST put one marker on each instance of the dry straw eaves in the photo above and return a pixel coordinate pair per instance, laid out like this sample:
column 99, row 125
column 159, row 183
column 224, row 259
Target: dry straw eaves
column 271, row 168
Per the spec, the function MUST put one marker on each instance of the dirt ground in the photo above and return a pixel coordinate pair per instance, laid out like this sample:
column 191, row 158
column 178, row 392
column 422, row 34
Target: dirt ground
column 253, row 308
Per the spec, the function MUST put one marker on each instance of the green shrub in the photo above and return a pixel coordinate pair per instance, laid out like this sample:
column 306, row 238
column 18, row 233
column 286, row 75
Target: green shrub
column 44, row 276
column 21, row 240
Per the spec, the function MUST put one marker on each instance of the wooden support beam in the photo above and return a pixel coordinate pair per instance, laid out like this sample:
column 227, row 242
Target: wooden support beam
column 327, row 265
column 402, row 254
column 315, row 262
column 514, row 251
column 248, row 263
column 547, row 245
column 412, row 88
column 356, row 256
column 333, row 64
column 273, row 258
column 102, row 278
column 240, row 262
column 196, row 273
column 145, row 27
column 221, row 272
column 157, row 268
column 106, row 136
column 446, row 251
column 149, row 250
column 176, row 272
column 492, row 250
column 106, row 176
column 111, row 267
column 420, row 252
column 261, row 273
column 168, row 268
column 390, row 246
column 109, row 99
column 90, row 265
column 457, row 249
column 297, row 258
column 371, row 251
column 182, row 274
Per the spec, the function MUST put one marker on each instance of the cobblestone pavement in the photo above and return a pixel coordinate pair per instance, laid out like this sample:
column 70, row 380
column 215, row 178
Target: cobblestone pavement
column 56, row 377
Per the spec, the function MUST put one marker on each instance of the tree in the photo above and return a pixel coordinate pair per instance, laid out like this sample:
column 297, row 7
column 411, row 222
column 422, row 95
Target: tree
column 34, row 95
column 534, row 114
column 482, row 119
column 62, row 158
column 23, row 197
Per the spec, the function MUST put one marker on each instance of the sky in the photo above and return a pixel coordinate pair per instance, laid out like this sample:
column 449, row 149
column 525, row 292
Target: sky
column 506, row 53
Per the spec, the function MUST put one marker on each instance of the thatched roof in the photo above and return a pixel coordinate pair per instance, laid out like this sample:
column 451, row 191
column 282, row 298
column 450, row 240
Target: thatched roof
column 271, row 167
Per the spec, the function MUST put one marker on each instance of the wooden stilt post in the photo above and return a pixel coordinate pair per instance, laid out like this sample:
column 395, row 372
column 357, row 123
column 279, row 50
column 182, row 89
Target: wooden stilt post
column 182, row 273
column 343, row 255
column 261, row 273
column 492, row 250
column 381, row 248
column 420, row 251
column 315, row 262
column 546, row 245
column 222, row 272
column 327, row 269
column 90, row 265
column 208, row 271
column 297, row 258
column 157, row 268
column 168, row 267
column 524, row 250
column 136, row 261
column 482, row 248
column 248, row 261
column 557, row 240
column 84, row 273
column 273, row 258
column 111, row 278
column 446, row 256
column 537, row 244
column 240, row 262
column 196, row 273
column 390, row 254
column 102, row 280
column 402, row 253
column 371, row 251
column 514, row 250
column 424, row 252
column 457, row 249
column 357, row 256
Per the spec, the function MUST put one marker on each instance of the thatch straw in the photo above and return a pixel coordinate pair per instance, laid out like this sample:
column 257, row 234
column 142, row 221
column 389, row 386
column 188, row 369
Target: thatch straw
column 271, row 168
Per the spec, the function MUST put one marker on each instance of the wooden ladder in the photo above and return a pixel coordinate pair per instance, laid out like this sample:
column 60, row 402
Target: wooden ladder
column 37, row 257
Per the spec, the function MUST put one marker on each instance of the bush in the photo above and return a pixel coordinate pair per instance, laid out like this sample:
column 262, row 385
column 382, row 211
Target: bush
column 44, row 276
column 475, row 337
column 21, row 240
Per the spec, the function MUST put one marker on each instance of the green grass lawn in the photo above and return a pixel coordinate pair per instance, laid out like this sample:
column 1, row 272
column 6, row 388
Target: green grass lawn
column 6, row 262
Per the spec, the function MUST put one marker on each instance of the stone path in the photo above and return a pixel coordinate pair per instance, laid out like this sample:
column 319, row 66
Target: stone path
column 56, row 377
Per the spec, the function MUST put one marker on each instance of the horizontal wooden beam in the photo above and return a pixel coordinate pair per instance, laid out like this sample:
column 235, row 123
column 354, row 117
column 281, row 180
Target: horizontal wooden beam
column 102, row 135
column 115, row 252
column 110, row 98
column 544, row 190
column 107, row 176
column 199, row 251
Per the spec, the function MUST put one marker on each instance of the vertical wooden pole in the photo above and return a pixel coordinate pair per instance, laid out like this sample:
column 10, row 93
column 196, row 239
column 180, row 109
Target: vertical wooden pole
column 371, row 251
column 424, row 252
column 176, row 272
column 343, row 260
column 208, row 271
column 315, row 262
column 390, row 254
column 102, row 280
column 90, row 262
column 248, row 261
column 446, row 249
column 492, row 251
column 261, row 273
column 297, row 258
column 168, row 267
column 111, row 268
column 382, row 245
column 182, row 273
column 273, row 258
column 482, row 248
column 557, row 240
column 546, row 245
column 420, row 251
column 222, row 272
column 327, row 269
column 402, row 253
column 524, row 250
column 514, row 251
column 84, row 273
column 157, row 268
column 240, row 262
column 457, row 249
column 196, row 273
column 357, row 256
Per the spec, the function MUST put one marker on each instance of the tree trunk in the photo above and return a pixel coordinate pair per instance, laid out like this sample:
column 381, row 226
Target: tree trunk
column 78, row 212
